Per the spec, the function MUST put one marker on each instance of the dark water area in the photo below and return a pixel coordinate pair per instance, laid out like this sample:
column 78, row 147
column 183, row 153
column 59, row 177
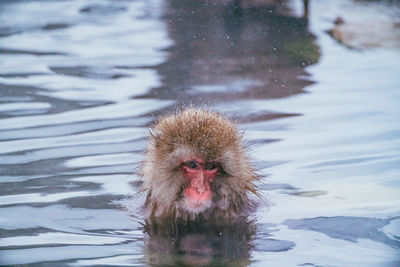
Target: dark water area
column 221, row 55
column 81, row 81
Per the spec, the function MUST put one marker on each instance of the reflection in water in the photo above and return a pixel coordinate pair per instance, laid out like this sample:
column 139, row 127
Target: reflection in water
column 199, row 242
column 220, row 54
column 271, row 4
column 209, row 243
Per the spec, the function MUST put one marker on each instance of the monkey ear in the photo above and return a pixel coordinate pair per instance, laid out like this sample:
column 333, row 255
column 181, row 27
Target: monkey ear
column 228, row 162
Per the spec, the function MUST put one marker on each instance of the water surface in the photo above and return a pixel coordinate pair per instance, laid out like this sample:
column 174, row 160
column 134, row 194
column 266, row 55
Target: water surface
column 81, row 81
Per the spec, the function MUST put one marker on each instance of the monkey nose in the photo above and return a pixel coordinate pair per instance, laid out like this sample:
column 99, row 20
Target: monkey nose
column 200, row 184
column 201, row 189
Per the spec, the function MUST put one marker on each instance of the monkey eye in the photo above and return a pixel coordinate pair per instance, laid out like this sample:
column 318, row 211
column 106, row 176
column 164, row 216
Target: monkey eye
column 210, row 166
column 192, row 164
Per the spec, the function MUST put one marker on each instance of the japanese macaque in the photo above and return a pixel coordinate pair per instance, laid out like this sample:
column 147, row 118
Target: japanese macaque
column 196, row 167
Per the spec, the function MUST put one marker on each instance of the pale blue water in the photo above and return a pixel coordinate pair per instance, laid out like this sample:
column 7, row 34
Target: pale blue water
column 81, row 81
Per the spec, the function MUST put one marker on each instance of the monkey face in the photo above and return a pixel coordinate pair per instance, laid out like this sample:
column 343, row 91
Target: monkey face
column 198, row 178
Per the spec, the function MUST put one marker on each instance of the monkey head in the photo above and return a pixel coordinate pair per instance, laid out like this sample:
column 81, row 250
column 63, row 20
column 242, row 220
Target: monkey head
column 196, row 166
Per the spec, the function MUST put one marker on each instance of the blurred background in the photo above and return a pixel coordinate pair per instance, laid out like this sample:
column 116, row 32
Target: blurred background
column 314, row 84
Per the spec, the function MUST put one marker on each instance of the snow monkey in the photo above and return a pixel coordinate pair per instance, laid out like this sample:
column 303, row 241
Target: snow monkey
column 196, row 167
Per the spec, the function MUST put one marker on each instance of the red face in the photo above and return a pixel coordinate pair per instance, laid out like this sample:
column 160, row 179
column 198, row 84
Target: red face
column 199, row 175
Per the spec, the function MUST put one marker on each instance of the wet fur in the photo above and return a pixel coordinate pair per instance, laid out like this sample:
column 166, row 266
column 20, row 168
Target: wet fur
column 196, row 133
